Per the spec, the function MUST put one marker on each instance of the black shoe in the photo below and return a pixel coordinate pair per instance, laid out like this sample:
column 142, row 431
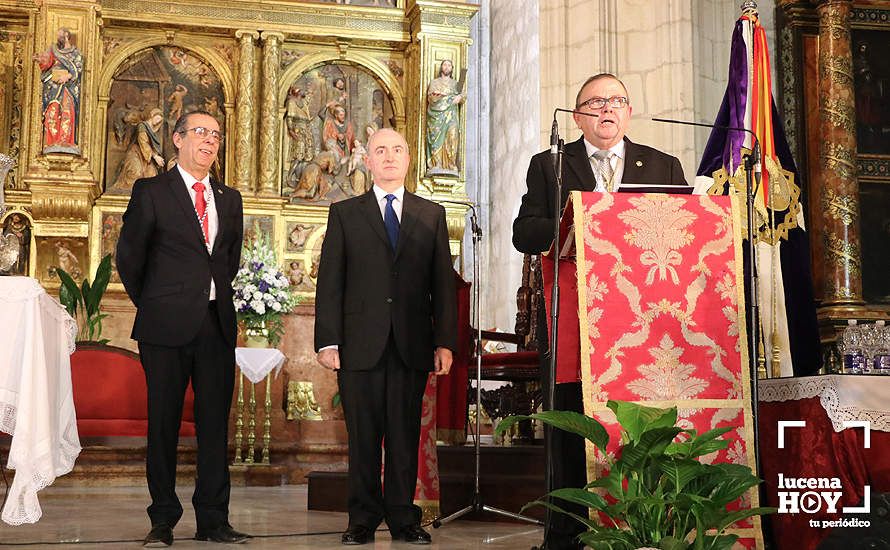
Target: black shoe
column 222, row 533
column 357, row 534
column 413, row 534
column 160, row 535
column 561, row 542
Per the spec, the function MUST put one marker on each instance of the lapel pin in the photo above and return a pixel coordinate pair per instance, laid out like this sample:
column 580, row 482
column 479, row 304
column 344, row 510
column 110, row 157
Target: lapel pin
column 219, row 191
column 639, row 163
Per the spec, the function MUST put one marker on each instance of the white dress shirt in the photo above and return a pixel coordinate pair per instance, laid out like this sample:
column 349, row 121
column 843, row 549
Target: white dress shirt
column 396, row 204
column 212, row 217
column 616, row 160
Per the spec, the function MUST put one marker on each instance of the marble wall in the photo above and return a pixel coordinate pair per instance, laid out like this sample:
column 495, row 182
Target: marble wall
column 672, row 55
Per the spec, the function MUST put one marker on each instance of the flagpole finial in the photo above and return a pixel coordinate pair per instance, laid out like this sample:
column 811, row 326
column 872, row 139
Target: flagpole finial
column 749, row 7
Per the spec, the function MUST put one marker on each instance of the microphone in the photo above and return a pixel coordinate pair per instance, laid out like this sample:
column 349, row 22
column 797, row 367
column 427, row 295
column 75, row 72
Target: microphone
column 561, row 110
column 554, row 136
column 755, row 153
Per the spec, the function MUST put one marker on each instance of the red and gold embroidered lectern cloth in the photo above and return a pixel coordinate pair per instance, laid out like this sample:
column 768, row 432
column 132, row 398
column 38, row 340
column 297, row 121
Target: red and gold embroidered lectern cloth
column 660, row 297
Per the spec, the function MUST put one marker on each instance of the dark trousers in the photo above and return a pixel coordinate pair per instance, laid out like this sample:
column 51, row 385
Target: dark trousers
column 209, row 362
column 568, row 460
column 382, row 406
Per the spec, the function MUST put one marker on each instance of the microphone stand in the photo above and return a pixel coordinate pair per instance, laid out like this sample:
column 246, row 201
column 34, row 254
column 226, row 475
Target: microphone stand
column 477, row 504
column 752, row 161
column 557, row 152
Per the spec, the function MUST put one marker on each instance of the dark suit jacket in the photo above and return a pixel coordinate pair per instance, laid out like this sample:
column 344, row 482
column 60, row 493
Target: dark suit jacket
column 365, row 290
column 164, row 265
column 533, row 226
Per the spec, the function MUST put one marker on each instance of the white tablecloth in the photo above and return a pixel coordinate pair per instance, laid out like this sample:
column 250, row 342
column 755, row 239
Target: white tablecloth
column 36, row 402
column 256, row 363
column 844, row 397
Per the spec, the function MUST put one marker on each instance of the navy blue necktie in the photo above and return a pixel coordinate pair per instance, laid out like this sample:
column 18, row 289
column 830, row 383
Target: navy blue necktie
column 391, row 221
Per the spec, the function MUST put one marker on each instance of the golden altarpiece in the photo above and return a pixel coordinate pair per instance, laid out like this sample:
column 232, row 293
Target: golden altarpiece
column 90, row 91
column 834, row 73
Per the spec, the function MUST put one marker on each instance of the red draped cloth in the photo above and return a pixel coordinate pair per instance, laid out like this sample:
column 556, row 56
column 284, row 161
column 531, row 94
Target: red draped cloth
column 444, row 410
column 824, row 449
column 660, row 298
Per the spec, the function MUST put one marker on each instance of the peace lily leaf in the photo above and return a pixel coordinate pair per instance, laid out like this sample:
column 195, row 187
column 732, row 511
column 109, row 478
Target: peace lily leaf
column 659, row 493
column 86, row 299
column 569, row 421
column 635, row 419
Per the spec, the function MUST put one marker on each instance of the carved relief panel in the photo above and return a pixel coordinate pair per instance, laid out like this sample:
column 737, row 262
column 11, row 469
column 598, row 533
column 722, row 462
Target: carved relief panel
column 150, row 91
column 329, row 113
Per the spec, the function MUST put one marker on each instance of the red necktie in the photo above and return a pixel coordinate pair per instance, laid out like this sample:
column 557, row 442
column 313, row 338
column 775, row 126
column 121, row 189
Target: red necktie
column 201, row 210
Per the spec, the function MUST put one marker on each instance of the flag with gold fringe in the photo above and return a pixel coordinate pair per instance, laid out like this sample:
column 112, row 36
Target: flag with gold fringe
column 789, row 341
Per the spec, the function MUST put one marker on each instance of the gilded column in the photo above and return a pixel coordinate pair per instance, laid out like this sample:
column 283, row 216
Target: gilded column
column 245, row 108
column 837, row 184
column 267, row 184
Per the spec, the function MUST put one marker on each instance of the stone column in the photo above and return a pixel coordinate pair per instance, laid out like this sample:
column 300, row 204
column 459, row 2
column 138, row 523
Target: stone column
column 245, row 108
column 836, row 184
column 515, row 114
column 268, row 169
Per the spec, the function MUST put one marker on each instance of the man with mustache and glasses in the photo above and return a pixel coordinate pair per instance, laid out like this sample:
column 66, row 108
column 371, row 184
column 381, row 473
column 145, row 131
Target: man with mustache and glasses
column 179, row 249
column 602, row 159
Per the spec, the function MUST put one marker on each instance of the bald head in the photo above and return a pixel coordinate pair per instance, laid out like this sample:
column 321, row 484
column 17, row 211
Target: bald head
column 387, row 159
column 386, row 134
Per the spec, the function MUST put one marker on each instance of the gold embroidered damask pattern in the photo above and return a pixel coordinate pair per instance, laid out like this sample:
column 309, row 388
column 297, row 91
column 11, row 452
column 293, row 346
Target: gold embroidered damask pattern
column 839, row 159
column 666, row 377
column 840, row 114
column 842, row 208
column 660, row 225
column 659, row 228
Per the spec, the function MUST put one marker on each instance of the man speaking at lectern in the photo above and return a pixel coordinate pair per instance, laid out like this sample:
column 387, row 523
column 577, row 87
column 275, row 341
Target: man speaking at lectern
column 601, row 160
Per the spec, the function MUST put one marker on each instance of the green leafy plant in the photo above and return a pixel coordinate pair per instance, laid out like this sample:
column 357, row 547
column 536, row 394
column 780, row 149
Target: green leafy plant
column 658, row 494
column 82, row 302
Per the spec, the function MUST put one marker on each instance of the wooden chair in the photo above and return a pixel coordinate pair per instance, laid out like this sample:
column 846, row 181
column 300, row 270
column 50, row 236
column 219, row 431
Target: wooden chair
column 521, row 369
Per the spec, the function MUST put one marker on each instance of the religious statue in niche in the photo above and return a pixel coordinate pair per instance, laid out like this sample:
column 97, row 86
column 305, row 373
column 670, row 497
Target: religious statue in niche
column 150, row 91
column 442, row 122
column 330, row 112
column 15, row 245
column 61, row 69
column 871, row 75
column 298, row 120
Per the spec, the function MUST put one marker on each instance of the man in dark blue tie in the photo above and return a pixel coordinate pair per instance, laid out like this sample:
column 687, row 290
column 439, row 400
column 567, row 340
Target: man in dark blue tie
column 385, row 316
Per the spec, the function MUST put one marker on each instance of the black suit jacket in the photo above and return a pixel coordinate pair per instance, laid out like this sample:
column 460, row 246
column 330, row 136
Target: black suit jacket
column 164, row 265
column 365, row 290
column 533, row 226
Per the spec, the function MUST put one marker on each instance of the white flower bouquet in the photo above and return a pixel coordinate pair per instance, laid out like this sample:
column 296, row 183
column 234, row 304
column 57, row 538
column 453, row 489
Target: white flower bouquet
column 262, row 291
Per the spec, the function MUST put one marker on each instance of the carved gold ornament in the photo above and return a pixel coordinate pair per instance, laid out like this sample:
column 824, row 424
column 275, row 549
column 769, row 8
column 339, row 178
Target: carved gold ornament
column 784, row 199
column 839, row 207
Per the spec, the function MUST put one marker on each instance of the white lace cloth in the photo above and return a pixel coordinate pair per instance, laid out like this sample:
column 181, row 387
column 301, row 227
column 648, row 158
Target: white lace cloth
column 844, row 397
column 256, row 363
column 36, row 400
